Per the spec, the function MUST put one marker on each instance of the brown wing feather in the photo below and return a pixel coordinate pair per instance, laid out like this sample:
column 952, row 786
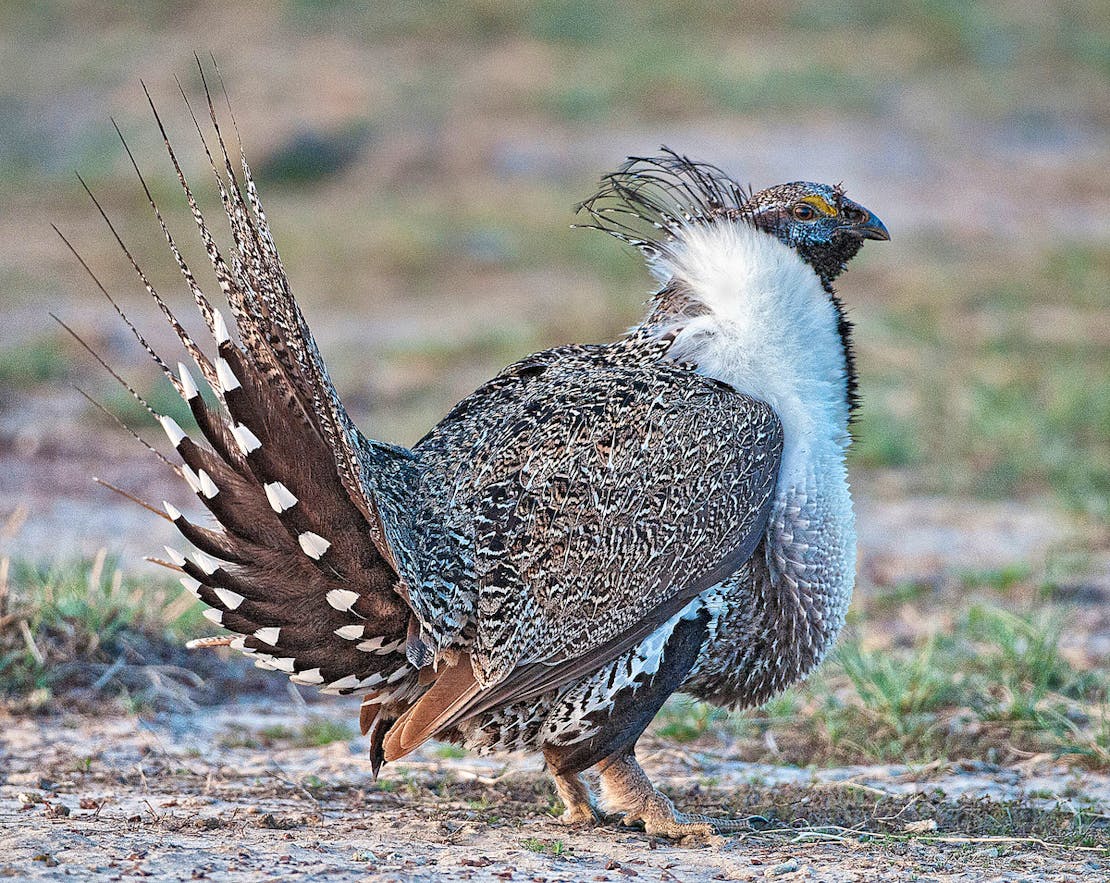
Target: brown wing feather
column 452, row 691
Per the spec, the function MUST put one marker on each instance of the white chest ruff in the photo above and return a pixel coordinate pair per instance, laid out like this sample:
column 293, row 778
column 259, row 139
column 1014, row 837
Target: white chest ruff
column 770, row 330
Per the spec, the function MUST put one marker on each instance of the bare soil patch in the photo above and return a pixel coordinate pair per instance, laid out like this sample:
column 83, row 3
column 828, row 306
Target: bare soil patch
column 229, row 794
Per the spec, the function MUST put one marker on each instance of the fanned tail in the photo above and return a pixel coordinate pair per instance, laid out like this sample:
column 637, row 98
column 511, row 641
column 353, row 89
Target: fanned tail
column 302, row 568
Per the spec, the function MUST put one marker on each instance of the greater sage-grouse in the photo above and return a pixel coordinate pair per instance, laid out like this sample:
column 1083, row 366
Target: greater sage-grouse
column 595, row 528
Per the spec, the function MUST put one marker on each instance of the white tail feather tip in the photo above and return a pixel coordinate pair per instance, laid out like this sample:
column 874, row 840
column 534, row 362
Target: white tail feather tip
column 191, row 585
column 173, row 431
column 226, row 377
column 171, row 511
column 214, row 616
column 280, row 497
column 350, row 632
column 207, row 485
column 219, row 327
column 206, row 562
column 344, row 683
column 379, row 646
column 313, row 544
column 231, row 600
column 175, row 556
column 188, row 385
column 190, row 478
column 342, row 599
column 246, row 439
column 268, row 635
column 308, row 678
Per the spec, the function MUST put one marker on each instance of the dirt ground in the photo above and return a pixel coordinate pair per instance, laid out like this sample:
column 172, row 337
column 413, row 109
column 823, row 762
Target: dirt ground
column 440, row 253
column 200, row 795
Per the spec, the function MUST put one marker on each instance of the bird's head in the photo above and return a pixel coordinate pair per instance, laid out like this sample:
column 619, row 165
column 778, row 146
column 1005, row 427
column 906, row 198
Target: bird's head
column 818, row 221
column 652, row 202
column 670, row 207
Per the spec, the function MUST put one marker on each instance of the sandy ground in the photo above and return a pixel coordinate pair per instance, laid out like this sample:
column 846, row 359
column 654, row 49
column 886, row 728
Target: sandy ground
column 197, row 796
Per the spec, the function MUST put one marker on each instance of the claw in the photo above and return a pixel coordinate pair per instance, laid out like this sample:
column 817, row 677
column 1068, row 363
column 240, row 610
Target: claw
column 661, row 819
column 627, row 788
column 581, row 815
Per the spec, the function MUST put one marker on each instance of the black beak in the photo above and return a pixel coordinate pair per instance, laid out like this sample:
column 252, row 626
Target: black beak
column 870, row 228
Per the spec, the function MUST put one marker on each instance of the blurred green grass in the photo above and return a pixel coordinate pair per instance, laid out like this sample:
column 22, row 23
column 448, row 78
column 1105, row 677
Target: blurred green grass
column 88, row 632
column 377, row 129
column 992, row 683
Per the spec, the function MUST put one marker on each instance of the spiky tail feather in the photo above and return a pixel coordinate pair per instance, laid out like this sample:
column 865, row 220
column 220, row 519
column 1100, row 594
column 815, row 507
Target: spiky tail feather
column 302, row 570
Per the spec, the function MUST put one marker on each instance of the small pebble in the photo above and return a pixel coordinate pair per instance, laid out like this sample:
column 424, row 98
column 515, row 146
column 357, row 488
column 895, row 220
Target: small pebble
column 785, row 867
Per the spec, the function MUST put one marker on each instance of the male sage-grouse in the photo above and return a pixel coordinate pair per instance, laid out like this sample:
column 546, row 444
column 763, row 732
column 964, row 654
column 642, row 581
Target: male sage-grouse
column 595, row 528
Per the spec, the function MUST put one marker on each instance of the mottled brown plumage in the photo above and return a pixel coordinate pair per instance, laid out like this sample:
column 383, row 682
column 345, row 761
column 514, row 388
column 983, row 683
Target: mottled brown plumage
column 591, row 530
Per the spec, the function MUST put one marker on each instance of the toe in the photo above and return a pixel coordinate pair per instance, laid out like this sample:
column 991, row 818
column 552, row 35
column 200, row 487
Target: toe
column 679, row 830
column 582, row 814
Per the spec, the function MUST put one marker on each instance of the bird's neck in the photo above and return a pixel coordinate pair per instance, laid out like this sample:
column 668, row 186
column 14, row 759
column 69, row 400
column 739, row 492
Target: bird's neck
column 748, row 311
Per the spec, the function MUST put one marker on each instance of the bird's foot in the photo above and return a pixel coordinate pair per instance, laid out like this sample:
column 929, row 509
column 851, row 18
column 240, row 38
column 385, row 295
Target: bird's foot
column 661, row 819
column 626, row 788
column 582, row 814
column 580, row 809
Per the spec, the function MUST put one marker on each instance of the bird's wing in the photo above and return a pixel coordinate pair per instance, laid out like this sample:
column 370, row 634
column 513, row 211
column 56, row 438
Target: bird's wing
column 602, row 493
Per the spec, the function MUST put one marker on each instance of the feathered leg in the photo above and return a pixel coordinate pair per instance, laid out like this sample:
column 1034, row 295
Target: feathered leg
column 625, row 788
column 581, row 808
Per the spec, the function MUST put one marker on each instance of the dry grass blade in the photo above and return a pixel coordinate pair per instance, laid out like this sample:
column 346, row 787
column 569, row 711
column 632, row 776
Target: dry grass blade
column 29, row 640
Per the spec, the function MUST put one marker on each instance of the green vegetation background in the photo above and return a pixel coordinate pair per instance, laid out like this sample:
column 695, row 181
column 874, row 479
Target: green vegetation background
column 420, row 163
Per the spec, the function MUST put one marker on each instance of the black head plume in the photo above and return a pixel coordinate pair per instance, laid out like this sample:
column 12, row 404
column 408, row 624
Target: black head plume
column 649, row 200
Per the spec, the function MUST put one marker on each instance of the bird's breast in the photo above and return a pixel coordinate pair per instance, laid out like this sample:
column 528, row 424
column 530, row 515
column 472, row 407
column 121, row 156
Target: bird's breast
column 777, row 617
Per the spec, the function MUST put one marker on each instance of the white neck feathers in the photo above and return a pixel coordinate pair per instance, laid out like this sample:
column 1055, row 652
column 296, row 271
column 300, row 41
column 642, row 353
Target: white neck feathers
column 770, row 331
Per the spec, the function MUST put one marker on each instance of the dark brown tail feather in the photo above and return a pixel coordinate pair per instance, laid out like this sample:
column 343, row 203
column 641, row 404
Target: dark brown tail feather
column 302, row 569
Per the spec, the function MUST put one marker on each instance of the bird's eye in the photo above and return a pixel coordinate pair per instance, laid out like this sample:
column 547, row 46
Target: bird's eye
column 803, row 211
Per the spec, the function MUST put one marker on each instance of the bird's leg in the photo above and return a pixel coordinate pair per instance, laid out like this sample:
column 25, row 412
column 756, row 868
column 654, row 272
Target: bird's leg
column 626, row 788
column 573, row 791
column 575, row 794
